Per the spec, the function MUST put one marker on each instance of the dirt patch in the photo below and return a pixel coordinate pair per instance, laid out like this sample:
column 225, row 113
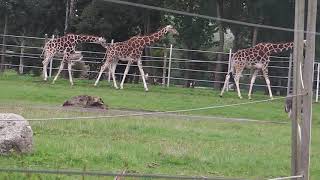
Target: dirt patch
column 86, row 101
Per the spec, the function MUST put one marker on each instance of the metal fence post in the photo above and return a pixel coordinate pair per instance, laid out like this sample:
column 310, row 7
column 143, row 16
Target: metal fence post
column 164, row 69
column 169, row 68
column 289, row 74
column 50, row 70
column 229, row 68
column 318, row 77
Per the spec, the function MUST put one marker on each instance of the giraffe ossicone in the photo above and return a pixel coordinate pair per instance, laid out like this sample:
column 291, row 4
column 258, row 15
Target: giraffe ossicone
column 131, row 51
column 65, row 46
column 257, row 58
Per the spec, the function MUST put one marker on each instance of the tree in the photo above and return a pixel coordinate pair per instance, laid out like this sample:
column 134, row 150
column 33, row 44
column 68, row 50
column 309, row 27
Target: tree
column 218, row 76
column 194, row 32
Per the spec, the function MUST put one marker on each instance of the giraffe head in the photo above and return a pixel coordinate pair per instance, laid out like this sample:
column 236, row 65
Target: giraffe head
column 98, row 40
column 101, row 41
column 171, row 29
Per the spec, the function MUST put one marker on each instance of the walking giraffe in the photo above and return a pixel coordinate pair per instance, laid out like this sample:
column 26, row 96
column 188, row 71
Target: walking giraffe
column 65, row 46
column 257, row 58
column 131, row 51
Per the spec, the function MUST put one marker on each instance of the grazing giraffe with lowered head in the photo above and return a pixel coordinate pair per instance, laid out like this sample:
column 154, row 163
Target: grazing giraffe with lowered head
column 257, row 58
column 131, row 51
column 66, row 46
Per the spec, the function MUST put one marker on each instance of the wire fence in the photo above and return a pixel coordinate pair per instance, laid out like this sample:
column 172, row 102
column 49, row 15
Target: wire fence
column 166, row 112
column 108, row 174
column 202, row 71
column 174, row 68
column 132, row 175
column 84, row 172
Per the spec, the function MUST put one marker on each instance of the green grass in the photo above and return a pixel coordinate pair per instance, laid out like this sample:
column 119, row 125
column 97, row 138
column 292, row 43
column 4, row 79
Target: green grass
column 28, row 89
column 151, row 144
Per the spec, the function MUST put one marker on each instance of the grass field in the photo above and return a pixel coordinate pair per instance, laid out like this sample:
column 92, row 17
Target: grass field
column 151, row 144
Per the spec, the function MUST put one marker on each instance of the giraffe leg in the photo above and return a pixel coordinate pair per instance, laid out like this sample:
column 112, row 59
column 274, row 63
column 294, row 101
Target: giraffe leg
column 125, row 74
column 226, row 83
column 253, row 79
column 45, row 63
column 265, row 75
column 70, row 73
column 103, row 68
column 44, row 69
column 236, row 80
column 59, row 71
column 109, row 75
column 113, row 67
column 142, row 75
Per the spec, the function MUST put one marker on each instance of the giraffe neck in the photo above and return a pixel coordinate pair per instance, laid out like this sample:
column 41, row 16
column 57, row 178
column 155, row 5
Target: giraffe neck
column 277, row 48
column 156, row 36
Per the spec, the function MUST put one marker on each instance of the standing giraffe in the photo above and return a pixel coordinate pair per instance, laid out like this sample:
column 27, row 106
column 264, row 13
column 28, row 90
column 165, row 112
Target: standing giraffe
column 65, row 46
column 131, row 51
column 257, row 58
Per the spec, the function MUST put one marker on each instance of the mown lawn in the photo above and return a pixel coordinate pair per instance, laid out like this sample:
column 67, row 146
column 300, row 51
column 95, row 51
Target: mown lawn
column 151, row 144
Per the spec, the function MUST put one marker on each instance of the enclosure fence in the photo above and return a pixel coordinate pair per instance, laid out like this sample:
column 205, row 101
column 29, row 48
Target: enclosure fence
column 136, row 175
column 165, row 66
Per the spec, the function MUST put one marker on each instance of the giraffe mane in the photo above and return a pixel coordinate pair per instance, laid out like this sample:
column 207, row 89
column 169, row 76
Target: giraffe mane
column 83, row 35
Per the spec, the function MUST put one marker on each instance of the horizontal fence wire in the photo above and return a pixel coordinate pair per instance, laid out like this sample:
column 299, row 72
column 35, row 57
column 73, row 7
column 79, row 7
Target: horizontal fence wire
column 194, row 15
column 176, row 62
column 175, row 78
column 160, row 112
column 153, row 76
column 36, row 56
column 288, row 177
column 108, row 174
column 173, row 11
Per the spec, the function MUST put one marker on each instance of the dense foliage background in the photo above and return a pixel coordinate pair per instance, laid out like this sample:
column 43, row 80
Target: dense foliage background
column 119, row 22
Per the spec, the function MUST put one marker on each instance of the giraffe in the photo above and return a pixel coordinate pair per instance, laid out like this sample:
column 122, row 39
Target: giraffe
column 131, row 51
column 65, row 46
column 257, row 58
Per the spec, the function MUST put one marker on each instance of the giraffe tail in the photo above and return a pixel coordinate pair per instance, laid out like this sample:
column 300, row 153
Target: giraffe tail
column 41, row 55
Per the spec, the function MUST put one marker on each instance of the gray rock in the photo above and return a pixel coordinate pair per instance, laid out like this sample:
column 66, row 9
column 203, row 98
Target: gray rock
column 15, row 134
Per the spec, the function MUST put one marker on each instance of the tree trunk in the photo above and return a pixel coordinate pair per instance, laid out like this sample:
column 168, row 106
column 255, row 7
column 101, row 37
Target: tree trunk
column 2, row 66
column 147, row 51
column 72, row 9
column 219, row 67
column 66, row 23
column 255, row 36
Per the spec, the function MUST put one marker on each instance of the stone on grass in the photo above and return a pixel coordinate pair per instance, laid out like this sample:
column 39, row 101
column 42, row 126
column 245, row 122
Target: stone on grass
column 86, row 101
column 15, row 134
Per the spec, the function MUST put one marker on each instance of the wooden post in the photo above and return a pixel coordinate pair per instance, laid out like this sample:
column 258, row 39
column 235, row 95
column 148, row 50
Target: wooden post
column 164, row 69
column 229, row 68
column 308, row 75
column 289, row 74
column 318, row 78
column 296, row 105
column 169, row 68
column 21, row 56
column 2, row 66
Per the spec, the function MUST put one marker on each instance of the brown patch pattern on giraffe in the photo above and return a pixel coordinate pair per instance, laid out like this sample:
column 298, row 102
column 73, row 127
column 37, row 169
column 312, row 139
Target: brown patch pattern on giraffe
column 256, row 57
column 65, row 46
column 131, row 51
